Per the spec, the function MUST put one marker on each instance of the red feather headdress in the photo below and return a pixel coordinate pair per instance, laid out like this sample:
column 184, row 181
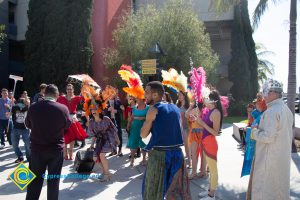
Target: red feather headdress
column 135, row 85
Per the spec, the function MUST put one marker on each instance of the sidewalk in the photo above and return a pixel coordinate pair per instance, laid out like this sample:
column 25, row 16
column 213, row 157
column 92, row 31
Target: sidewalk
column 126, row 182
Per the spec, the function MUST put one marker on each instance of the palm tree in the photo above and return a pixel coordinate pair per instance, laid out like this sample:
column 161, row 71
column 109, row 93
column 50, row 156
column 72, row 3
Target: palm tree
column 265, row 67
column 223, row 5
column 259, row 11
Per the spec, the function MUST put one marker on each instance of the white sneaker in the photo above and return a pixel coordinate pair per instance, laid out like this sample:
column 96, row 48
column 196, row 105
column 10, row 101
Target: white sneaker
column 2, row 146
column 203, row 194
column 208, row 198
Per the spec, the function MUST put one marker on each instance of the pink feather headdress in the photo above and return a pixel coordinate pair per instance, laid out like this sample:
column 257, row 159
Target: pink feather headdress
column 225, row 105
column 198, row 81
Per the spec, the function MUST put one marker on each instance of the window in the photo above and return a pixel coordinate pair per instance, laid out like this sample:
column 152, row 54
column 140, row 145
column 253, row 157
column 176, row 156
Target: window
column 11, row 12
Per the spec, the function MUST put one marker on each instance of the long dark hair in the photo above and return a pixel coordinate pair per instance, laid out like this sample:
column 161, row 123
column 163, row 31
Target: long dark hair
column 101, row 115
column 168, row 97
column 186, row 101
column 215, row 96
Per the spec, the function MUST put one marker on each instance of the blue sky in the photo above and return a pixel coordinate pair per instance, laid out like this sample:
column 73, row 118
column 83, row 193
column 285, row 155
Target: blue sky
column 273, row 33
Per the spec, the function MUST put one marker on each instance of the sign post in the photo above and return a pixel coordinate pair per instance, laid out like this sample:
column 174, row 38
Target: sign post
column 148, row 66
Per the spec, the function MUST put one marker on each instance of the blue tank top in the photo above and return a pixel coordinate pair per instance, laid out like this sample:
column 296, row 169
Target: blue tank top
column 166, row 128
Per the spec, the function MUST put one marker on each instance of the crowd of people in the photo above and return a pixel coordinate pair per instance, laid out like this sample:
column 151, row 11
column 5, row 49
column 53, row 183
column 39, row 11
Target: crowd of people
column 49, row 124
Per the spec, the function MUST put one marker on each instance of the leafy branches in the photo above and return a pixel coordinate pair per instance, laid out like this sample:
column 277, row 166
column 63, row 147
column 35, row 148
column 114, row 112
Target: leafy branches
column 177, row 29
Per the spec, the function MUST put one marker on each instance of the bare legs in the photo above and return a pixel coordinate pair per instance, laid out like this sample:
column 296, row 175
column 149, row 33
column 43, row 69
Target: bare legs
column 132, row 154
column 71, row 150
column 144, row 158
column 103, row 164
column 203, row 166
column 186, row 147
column 194, row 155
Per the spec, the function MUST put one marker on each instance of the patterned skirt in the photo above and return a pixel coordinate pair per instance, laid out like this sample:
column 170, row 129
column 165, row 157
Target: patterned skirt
column 166, row 176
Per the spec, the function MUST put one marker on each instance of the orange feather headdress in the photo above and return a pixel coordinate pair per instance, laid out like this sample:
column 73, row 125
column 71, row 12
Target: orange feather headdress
column 96, row 99
column 176, row 81
column 133, row 80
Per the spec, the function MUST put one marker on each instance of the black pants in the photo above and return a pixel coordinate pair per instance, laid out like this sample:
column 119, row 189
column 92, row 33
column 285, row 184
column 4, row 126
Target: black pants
column 39, row 162
column 120, row 134
column 242, row 135
column 5, row 128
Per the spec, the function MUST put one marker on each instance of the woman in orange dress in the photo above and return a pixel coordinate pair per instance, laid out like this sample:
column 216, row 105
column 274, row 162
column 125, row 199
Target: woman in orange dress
column 195, row 139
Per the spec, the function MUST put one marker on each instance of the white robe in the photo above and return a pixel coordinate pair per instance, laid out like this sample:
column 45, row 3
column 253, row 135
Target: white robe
column 271, row 175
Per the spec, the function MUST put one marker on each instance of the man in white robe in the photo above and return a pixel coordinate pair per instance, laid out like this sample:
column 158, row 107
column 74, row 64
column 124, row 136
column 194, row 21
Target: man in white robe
column 271, row 167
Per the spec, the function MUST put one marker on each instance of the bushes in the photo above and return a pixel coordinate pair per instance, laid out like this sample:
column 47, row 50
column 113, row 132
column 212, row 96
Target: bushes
column 237, row 108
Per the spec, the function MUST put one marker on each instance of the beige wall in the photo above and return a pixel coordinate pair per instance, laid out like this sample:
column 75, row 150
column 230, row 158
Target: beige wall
column 21, row 19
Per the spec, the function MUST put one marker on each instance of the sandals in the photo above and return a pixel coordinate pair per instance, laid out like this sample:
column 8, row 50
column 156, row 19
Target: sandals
column 202, row 175
column 71, row 157
column 192, row 176
column 105, row 177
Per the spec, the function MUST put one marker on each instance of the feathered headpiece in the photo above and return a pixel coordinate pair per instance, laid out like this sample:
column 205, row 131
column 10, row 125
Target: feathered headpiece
column 198, row 81
column 260, row 101
column 223, row 100
column 135, row 85
column 271, row 85
column 172, row 79
column 94, row 99
column 225, row 105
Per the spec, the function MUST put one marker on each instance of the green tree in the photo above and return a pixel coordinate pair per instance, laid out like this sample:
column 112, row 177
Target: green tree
column 177, row 29
column 57, row 41
column 265, row 67
column 259, row 11
column 2, row 35
column 242, row 68
column 244, row 58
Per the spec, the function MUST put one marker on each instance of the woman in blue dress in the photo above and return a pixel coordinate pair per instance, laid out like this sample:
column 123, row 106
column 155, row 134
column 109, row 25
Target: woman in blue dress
column 134, row 126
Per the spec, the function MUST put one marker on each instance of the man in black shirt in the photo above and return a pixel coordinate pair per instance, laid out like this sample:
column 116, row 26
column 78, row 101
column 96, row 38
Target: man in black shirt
column 47, row 120
column 19, row 111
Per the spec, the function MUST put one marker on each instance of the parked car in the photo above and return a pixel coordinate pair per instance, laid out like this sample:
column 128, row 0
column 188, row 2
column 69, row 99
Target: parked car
column 297, row 103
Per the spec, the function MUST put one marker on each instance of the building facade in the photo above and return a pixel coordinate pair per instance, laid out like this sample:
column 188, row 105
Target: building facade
column 105, row 17
column 14, row 16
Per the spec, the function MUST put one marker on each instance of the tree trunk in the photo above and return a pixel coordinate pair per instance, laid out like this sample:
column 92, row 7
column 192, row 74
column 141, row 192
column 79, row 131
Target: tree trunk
column 292, row 59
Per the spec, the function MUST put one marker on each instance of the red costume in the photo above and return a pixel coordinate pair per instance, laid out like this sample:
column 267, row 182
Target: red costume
column 75, row 131
column 128, row 112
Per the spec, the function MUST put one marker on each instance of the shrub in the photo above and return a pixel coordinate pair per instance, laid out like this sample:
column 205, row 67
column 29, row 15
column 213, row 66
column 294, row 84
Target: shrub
column 237, row 108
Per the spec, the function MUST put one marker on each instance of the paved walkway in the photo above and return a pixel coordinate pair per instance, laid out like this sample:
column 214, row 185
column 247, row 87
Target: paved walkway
column 126, row 182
